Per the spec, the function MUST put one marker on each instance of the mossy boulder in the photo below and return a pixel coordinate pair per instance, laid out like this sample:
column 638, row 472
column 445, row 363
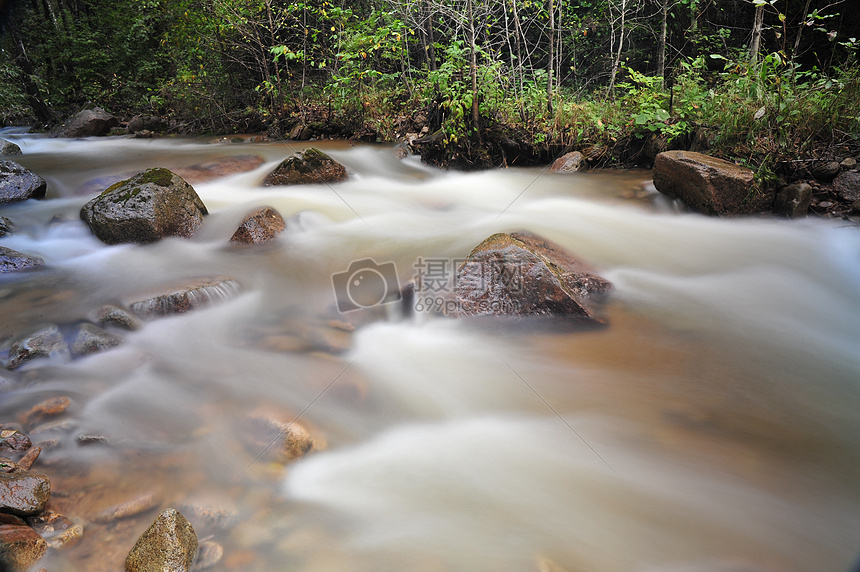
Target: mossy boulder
column 307, row 167
column 19, row 184
column 524, row 275
column 145, row 208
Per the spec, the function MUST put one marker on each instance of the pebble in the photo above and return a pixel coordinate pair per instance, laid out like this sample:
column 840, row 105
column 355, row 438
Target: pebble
column 12, row 441
column 209, row 553
column 128, row 509
column 27, row 460
column 66, row 538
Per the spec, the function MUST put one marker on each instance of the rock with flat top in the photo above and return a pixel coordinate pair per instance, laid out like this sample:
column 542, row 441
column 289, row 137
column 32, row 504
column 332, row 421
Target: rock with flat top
column 18, row 183
column 307, row 167
column 88, row 123
column 44, row 342
column 709, row 185
column 185, row 296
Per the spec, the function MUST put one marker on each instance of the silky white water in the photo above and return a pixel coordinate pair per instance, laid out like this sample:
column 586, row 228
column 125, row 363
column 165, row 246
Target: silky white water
column 712, row 426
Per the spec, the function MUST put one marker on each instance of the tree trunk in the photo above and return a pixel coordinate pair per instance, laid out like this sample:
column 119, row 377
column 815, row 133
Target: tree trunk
column 476, row 118
column 661, row 54
column 617, row 61
column 756, row 34
column 550, row 65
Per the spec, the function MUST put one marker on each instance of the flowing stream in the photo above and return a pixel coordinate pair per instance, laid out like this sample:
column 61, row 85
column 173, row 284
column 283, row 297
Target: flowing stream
column 712, row 426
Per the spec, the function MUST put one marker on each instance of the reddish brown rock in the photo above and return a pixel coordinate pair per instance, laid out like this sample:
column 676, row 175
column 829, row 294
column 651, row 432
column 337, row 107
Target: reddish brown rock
column 260, row 226
column 134, row 507
column 50, row 407
column 523, row 275
column 24, row 493
column 308, row 167
column 12, row 441
column 20, row 548
column 569, row 163
column 280, row 440
column 709, row 185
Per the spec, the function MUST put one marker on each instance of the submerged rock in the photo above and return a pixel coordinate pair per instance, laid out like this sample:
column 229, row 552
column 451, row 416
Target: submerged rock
column 24, row 493
column 569, row 163
column 221, row 167
column 134, row 507
column 8, row 148
column 307, row 167
column 145, row 208
column 169, row 544
column 113, row 316
column 46, row 342
column 19, row 184
column 92, row 339
column 260, row 226
column 20, row 548
column 208, row 554
column 523, row 275
column 88, row 123
column 46, row 409
column 282, row 441
column 14, row 261
column 709, row 185
column 184, row 297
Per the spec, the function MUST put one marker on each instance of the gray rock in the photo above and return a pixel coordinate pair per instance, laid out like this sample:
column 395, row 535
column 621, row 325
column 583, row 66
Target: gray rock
column 260, row 226
column 855, row 207
column 25, row 493
column 793, row 200
column 149, row 206
column 8, row 148
column 113, row 316
column 88, row 123
column 146, row 123
column 19, row 184
column 14, row 261
column 848, row 163
column 308, row 167
column 523, row 275
column 6, row 226
column 45, row 342
column 847, row 186
column 826, row 171
column 185, row 297
column 168, row 545
column 92, row 339
column 709, row 185
column 20, row 548
column 569, row 163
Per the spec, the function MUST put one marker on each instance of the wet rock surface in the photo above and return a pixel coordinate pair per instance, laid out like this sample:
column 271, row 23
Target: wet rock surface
column 8, row 148
column 6, row 226
column 709, row 185
column 23, row 493
column 18, row 183
column 20, row 548
column 184, row 297
column 569, row 163
column 281, row 440
column 13, row 441
column 130, row 508
column 793, row 201
column 88, row 123
column 259, row 227
column 145, row 208
column 92, row 339
column 14, row 261
column 170, row 543
column 307, row 167
column 45, row 342
column 115, row 317
column 523, row 275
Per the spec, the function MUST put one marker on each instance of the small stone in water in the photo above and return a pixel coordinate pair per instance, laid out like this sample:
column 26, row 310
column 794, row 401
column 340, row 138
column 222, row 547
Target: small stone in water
column 14, row 441
column 113, row 316
column 92, row 339
column 27, row 460
column 47, row 408
column 170, row 543
column 128, row 509
column 209, row 553
column 66, row 538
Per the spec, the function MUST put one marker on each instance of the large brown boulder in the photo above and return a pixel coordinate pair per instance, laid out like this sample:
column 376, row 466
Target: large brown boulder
column 145, row 208
column 524, row 275
column 19, row 184
column 307, row 167
column 569, row 163
column 709, row 185
column 24, row 493
column 20, row 547
column 88, row 123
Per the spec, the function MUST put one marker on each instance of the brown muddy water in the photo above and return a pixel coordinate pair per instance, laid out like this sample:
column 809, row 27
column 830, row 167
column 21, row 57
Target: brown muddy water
column 713, row 426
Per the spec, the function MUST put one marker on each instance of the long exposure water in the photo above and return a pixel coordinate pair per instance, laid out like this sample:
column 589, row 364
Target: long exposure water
column 712, row 426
